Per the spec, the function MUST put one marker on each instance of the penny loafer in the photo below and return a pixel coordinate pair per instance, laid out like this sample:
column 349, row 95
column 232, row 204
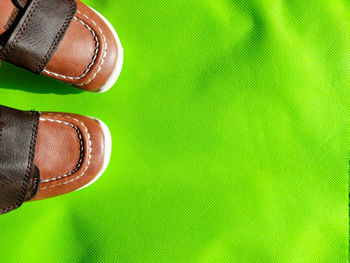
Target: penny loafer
column 47, row 154
column 62, row 39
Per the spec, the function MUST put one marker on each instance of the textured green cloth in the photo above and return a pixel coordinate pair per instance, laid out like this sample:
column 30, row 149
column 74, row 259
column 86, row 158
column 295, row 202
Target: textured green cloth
column 230, row 126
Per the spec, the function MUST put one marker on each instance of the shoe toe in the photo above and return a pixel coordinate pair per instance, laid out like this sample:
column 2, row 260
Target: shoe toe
column 72, row 151
column 90, row 55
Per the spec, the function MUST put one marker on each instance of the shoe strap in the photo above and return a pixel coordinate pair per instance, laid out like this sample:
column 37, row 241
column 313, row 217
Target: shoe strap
column 19, row 3
column 35, row 35
column 19, row 177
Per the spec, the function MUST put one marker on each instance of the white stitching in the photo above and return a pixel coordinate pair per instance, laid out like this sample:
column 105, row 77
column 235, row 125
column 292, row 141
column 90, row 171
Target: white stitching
column 104, row 55
column 87, row 70
column 81, row 150
column 91, row 64
column 89, row 158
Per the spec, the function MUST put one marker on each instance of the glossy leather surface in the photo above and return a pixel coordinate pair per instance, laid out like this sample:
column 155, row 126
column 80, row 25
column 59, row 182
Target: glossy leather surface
column 36, row 32
column 88, row 53
column 70, row 153
column 18, row 175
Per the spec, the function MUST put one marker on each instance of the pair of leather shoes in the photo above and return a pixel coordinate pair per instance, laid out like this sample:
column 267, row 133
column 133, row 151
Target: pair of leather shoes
column 46, row 154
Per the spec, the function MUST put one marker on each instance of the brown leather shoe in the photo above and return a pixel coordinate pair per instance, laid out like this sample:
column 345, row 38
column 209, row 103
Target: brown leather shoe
column 72, row 152
column 47, row 154
column 63, row 39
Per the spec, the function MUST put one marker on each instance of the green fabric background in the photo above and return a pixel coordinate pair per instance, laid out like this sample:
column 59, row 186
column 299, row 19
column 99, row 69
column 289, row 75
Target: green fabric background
column 230, row 126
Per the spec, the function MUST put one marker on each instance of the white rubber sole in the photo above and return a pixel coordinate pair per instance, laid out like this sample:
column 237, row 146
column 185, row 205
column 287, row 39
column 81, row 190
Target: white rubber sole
column 118, row 68
column 107, row 154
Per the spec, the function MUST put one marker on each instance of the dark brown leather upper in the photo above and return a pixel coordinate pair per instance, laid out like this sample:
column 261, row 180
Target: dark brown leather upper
column 36, row 33
column 19, row 177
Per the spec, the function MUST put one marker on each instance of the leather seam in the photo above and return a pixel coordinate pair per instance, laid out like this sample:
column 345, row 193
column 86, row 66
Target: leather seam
column 35, row 183
column 58, row 37
column 81, row 142
column 87, row 70
column 92, row 63
column 89, row 153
